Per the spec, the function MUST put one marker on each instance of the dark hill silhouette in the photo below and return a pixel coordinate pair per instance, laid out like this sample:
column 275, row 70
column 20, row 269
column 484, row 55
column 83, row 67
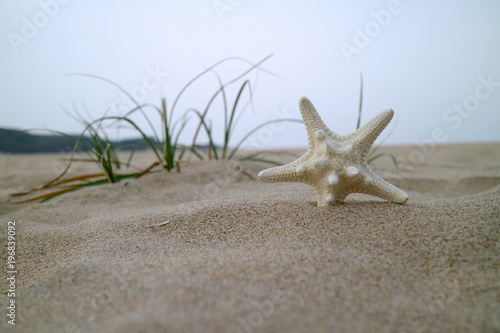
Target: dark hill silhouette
column 14, row 141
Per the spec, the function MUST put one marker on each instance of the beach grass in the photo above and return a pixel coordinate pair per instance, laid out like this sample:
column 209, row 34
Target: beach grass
column 165, row 148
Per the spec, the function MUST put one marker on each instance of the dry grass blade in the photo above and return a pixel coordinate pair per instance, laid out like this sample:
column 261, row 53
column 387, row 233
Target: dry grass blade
column 105, row 153
column 54, row 184
column 148, row 169
column 48, row 195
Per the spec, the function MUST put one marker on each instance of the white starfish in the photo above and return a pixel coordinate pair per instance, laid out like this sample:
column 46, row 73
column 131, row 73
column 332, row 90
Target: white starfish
column 336, row 165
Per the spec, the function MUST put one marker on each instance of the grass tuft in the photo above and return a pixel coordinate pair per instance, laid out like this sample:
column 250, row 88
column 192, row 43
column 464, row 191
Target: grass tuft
column 103, row 152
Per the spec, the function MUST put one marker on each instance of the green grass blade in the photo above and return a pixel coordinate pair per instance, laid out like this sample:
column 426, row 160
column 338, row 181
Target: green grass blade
column 360, row 100
column 183, row 125
column 169, row 151
column 220, row 89
column 224, row 99
column 235, row 149
column 138, row 106
column 191, row 149
column 132, row 152
column 233, row 112
column 208, row 131
column 144, row 136
column 261, row 160
column 270, row 152
column 211, row 68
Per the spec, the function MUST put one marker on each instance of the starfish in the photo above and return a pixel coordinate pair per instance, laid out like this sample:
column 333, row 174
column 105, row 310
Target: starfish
column 336, row 165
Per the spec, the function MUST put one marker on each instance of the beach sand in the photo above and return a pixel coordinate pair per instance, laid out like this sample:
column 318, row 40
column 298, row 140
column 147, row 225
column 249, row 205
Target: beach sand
column 238, row 255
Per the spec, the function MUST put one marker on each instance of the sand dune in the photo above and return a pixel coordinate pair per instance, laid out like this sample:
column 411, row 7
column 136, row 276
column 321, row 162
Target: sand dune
column 241, row 256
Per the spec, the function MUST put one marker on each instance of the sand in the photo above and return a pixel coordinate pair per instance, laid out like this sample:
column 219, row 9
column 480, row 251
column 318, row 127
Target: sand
column 241, row 256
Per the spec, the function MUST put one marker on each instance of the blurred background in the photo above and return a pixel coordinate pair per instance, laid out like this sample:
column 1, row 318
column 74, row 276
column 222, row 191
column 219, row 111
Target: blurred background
column 436, row 63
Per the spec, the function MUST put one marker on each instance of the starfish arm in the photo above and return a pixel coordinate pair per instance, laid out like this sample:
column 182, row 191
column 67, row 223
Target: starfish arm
column 368, row 133
column 380, row 188
column 336, row 165
column 313, row 121
column 284, row 173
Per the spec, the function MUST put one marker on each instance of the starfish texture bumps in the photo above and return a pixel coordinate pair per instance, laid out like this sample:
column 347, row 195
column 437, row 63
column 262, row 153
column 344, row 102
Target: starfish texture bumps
column 336, row 165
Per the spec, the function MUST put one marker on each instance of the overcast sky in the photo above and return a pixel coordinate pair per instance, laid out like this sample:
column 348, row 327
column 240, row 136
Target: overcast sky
column 436, row 63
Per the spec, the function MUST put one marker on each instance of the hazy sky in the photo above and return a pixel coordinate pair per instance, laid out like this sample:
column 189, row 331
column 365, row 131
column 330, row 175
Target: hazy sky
column 436, row 63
